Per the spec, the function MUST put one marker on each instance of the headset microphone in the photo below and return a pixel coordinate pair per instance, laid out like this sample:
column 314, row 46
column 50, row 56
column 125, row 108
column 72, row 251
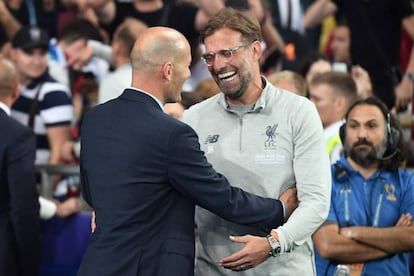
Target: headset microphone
column 389, row 156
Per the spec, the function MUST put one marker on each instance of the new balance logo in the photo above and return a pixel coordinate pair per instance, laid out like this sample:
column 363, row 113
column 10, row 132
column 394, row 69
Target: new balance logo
column 212, row 139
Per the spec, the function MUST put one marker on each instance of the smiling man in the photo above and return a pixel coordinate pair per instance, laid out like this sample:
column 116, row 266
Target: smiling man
column 256, row 133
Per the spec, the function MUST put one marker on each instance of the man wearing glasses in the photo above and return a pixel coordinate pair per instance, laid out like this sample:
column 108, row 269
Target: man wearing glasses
column 255, row 133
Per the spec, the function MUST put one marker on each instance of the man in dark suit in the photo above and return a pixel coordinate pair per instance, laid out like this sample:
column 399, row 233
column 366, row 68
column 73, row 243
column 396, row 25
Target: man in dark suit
column 143, row 172
column 19, row 206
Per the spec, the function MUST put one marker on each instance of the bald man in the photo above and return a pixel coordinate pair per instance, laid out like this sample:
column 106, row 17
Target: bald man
column 19, row 206
column 143, row 172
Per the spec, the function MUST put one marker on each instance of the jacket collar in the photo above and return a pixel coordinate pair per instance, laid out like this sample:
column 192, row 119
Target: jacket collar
column 134, row 94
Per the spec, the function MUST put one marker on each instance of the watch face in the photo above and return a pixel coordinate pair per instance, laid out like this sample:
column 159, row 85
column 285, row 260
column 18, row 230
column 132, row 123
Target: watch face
column 275, row 245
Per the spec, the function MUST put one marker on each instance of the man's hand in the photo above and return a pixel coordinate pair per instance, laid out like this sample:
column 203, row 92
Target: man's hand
column 403, row 94
column 290, row 199
column 255, row 251
column 68, row 207
column 404, row 220
column 362, row 81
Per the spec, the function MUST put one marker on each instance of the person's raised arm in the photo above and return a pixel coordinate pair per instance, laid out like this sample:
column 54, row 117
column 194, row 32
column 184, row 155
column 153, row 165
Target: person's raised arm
column 317, row 12
column 404, row 90
column 105, row 9
column 11, row 25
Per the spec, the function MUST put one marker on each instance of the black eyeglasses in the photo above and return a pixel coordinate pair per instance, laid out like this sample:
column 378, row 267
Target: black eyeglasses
column 224, row 54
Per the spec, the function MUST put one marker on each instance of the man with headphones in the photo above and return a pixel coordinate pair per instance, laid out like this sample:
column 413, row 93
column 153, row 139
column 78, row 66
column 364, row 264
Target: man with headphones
column 369, row 229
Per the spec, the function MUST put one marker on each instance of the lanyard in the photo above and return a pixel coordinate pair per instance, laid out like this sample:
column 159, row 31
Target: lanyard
column 378, row 207
column 32, row 13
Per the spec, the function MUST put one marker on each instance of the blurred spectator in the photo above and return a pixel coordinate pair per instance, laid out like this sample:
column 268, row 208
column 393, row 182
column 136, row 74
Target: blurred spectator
column 332, row 93
column 44, row 104
column 122, row 43
column 290, row 81
column 340, row 44
column 288, row 19
column 175, row 110
column 19, row 206
column 181, row 15
column 82, row 78
column 375, row 42
column 50, row 208
column 207, row 88
column 339, row 50
column 314, row 64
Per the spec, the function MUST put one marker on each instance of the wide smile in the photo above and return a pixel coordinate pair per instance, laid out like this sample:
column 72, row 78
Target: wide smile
column 227, row 76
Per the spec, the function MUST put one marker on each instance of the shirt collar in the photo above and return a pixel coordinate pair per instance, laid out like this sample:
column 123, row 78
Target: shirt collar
column 5, row 108
column 260, row 103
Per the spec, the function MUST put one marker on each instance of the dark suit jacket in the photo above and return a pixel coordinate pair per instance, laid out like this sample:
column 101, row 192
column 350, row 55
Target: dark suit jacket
column 19, row 205
column 143, row 173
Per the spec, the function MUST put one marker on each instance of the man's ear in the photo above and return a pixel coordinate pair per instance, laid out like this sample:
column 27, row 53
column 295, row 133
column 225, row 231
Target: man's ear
column 16, row 92
column 258, row 49
column 168, row 70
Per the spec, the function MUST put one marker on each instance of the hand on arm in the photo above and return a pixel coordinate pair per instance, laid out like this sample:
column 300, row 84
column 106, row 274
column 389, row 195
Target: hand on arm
column 255, row 251
column 290, row 201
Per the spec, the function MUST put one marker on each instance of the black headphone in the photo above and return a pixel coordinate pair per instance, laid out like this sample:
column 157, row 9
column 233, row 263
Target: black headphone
column 393, row 137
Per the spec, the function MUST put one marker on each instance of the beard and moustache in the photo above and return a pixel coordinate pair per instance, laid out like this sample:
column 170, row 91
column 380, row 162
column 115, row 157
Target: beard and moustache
column 238, row 91
column 368, row 156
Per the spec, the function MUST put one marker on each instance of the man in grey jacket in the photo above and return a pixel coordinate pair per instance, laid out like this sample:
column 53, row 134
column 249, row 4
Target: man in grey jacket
column 253, row 132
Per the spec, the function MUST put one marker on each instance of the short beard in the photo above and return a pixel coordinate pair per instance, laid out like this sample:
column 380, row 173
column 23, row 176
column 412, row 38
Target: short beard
column 238, row 93
column 364, row 158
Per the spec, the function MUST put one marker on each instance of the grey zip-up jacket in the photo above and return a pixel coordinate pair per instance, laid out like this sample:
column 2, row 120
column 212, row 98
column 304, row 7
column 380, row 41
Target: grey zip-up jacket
column 277, row 144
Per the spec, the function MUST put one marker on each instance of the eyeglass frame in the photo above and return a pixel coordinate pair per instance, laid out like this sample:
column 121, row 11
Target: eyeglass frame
column 221, row 52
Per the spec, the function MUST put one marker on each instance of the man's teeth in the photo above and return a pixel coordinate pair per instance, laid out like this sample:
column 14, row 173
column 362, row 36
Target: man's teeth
column 227, row 75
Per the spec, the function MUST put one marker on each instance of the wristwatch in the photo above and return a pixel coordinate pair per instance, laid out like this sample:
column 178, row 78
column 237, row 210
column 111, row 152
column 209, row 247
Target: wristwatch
column 409, row 76
column 274, row 246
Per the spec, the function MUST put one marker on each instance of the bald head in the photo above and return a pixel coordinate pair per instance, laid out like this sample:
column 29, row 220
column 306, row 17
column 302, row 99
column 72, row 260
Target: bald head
column 156, row 46
column 8, row 81
column 161, row 59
